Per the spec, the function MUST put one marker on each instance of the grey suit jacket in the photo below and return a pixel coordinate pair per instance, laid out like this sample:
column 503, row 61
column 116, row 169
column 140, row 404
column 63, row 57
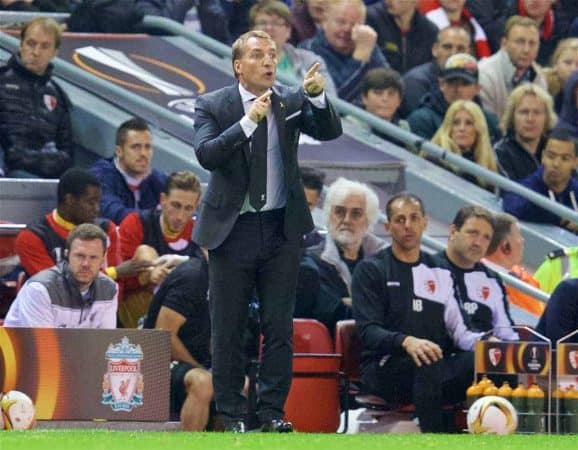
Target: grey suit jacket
column 222, row 148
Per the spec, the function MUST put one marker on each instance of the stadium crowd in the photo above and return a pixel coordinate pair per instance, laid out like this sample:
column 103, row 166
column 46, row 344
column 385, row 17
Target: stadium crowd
column 493, row 82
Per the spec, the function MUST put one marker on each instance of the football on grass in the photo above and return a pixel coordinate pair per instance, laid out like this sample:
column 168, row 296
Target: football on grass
column 492, row 415
column 18, row 412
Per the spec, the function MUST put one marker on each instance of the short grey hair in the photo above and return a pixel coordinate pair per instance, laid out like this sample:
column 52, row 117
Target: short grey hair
column 342, row 188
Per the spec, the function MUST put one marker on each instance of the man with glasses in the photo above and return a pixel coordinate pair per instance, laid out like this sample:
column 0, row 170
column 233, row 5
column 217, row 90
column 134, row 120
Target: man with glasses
column 324, row 290
column 274, row 17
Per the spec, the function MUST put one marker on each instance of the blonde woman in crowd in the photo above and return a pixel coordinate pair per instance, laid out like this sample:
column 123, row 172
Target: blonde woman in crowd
column 527, row 121
column 464, row 132
column 564, row 63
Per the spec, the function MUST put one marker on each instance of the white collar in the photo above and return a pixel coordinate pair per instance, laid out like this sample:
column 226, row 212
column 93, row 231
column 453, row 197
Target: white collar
column 246, row 96
column 130, row 180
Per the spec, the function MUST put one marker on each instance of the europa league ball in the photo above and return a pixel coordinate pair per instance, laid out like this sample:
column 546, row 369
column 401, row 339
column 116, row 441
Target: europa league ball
column 492, row 415
column 18, row 411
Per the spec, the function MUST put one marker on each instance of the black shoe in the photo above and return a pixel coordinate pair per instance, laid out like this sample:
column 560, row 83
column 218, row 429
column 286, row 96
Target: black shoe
column 237, row 426
column 277, row 426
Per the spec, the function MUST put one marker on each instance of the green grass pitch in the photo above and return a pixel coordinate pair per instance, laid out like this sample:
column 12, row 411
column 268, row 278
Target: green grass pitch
column 112, row 440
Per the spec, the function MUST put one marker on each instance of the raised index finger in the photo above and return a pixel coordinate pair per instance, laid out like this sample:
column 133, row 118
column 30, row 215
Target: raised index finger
column 265, row 96
column 313, row 69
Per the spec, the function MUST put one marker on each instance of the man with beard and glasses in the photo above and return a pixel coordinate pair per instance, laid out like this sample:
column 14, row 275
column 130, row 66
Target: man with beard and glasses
column 324, row 289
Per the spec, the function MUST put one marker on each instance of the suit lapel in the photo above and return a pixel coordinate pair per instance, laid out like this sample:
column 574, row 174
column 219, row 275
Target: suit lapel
column 234, row 111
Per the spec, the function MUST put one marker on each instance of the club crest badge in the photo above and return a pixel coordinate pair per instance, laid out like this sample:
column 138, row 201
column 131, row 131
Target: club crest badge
column 50, row 102
column 484, row 292
column 122, row 384
column 495, row 355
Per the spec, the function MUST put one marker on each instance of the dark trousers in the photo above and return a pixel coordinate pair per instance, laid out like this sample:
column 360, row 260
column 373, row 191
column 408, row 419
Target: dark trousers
column 427, row 387
column 255, row 255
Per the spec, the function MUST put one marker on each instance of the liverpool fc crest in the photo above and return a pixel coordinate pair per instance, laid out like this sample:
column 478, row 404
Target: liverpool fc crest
column 122, row 385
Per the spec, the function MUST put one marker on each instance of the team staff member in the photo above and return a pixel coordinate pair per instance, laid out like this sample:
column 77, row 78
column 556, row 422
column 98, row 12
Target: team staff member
column 36, row 139
column 180, row 306
column 410, row 322
column 253, row 217
column 481, row 292
column 72, row 294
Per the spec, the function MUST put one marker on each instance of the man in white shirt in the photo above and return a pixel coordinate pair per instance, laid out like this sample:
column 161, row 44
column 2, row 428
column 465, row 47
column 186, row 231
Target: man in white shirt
column 72, row 294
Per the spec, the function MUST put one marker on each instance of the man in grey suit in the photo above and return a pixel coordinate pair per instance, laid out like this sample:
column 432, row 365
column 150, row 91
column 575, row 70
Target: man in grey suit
column 253, row 217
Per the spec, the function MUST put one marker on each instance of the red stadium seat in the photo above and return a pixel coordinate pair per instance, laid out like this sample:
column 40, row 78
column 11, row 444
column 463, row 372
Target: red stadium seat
column 348, row 344
column 311, row 336
column 313, row 401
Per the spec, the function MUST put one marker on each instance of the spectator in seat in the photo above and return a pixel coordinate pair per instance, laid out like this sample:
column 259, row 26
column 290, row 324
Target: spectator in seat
column 128, row 181
column 564, row 63
column 553, row 20
column 527, row 122
column 459, row 81
column 455, row 13
column 36, row 139
column 404, row 35
column 568, row 120
column 72, row 294
column 554, row 179
column 181, row 307
column 506, row 252
column 514, row 64
column 274, row 17
column 42, row 244
column 381, row 94
column 424, row 78
column 347, row 45
column 482, row 295
column 324, row 288
column 307, row 17
column 416, row 346
column 464, row 132
column 150, row 234
column 561, row 315
column 312, row 180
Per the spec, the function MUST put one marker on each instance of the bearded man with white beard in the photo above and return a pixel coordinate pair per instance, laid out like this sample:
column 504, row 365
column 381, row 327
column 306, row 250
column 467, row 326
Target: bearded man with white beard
column 324, row 289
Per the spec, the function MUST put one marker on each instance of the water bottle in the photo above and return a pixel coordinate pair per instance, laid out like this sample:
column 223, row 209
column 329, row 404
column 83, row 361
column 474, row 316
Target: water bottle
column 519, row 400
column 571, row 404
column 535, row 405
